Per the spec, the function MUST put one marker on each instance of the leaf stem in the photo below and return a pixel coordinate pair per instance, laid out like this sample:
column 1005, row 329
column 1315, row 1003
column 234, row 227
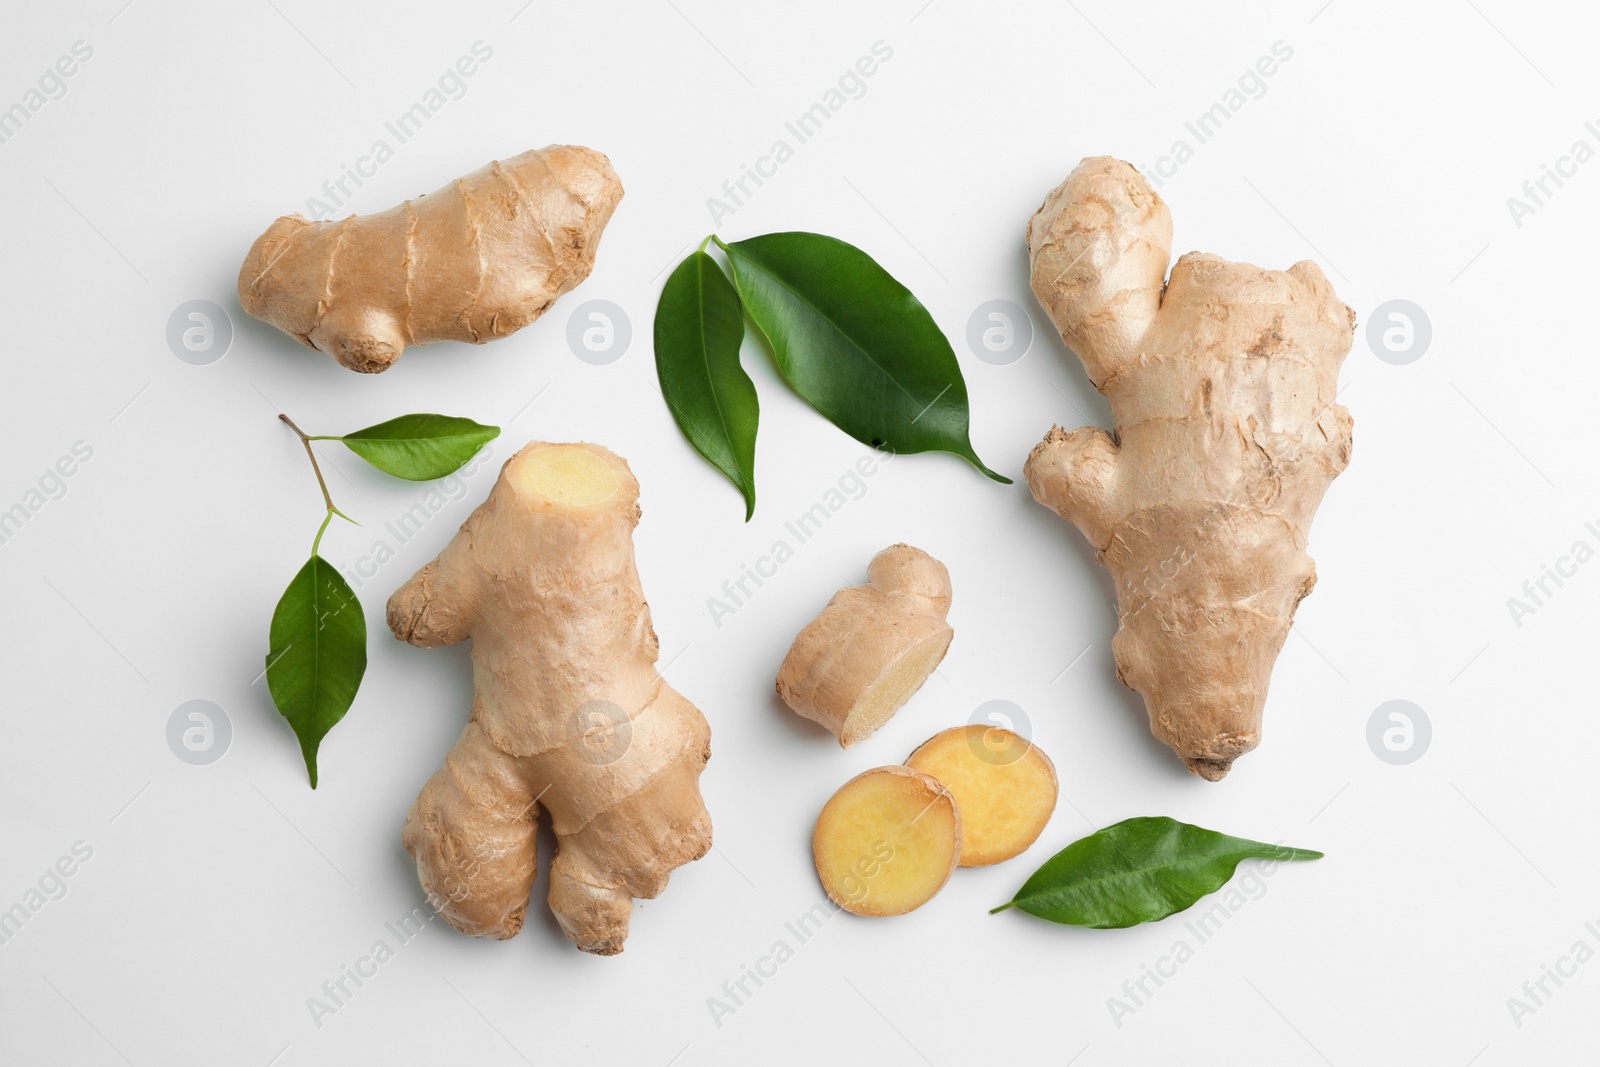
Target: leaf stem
column 327, row 518
column 322, row 484
column 709, row 238
column 1003, row 907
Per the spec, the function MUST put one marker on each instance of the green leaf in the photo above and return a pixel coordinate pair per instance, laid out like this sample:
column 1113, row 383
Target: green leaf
column 420, row 448
column 1138, row 871
column 699, row 327
column 318, row 654
column 855, row 344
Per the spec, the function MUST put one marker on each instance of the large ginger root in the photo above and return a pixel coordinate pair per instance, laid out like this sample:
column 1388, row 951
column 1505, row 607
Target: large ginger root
column 479, row 259
column 1003, row 784
column 569, row 714
column 887, row 841
column 872, row 647
column 1221, row 381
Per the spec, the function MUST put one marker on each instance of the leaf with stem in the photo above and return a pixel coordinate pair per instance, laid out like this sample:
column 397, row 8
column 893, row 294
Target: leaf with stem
column 318, row 653
column 855, row 343
column 699, row 327
column 317, row 650
column 419, row 448
column 1138, row 871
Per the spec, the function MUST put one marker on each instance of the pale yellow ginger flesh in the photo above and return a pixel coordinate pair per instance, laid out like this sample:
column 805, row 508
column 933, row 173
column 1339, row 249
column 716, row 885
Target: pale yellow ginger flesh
column 1004, row 787
column 479, row 259
column 887, row 841
column 854, row 665
column 563, row 474
column 570, row 717
column 1221, row 379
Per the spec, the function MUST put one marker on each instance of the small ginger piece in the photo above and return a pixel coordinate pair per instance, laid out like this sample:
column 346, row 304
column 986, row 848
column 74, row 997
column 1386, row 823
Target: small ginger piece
column 479, row 259
column 1004, row 786
column 887, row 841
column 1221, row 379
column 570, row 716
column 872, row 647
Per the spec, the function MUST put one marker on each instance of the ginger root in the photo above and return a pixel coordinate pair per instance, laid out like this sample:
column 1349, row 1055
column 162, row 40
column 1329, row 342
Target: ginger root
column 479, row 259
column 1003, row 785
column 569, row 714
column 887, row 841
column 1221, row 380
column 872, row 647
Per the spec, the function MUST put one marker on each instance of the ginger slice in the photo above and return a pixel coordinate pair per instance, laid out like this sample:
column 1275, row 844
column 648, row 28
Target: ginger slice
column 887, row 841
column 1003, row 784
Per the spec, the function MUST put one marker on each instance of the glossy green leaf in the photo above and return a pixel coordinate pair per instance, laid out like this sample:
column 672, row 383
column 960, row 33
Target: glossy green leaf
column 1138, row 871
column 699, row 327
column 318, row 654
column 420, row 448
column 855, row 344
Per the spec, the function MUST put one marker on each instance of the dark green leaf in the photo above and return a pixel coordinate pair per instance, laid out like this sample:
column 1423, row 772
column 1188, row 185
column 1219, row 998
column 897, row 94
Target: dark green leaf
column 318, row 654
column 699, row 327
column 855, row 344
column 420, row 448
column 1138, row 871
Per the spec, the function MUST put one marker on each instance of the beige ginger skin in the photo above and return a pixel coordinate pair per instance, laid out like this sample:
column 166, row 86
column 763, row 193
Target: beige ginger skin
column 872, row 646
column 569, row 714
column 479, row 259
column 1221, row 380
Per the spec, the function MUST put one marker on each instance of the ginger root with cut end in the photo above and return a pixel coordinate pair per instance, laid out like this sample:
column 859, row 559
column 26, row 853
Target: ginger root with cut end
column 872, row 647
column 479, row 259
column 1004, row 786
column 887, row 841
column 1221, row 380
column 569, row 716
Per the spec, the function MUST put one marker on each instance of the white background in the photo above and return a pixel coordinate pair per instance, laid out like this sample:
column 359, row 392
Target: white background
column 218, row 899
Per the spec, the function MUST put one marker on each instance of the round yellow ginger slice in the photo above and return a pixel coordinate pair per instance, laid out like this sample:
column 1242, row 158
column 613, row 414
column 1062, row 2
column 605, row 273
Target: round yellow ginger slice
column 887, row 841
column 1004, row 786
